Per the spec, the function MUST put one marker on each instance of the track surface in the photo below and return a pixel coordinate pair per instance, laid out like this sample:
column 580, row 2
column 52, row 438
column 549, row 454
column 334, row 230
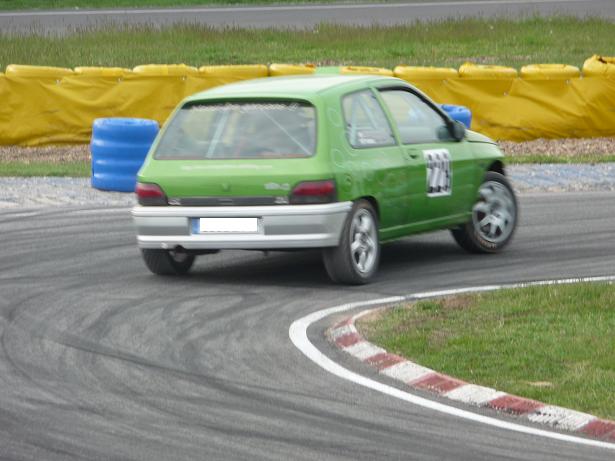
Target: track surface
column 99, row 359
column 301, row 15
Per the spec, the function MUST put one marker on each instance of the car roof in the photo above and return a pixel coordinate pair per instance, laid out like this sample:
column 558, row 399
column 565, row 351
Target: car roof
column 298, row 86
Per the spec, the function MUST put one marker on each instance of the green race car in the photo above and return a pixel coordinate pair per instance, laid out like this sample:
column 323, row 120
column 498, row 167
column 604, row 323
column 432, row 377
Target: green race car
column 341, row 163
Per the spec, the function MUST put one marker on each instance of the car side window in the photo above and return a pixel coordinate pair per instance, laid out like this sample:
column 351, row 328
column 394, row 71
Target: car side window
column 366, row 122
column 416, row 121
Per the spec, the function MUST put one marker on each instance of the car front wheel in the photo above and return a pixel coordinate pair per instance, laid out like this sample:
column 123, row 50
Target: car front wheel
column 167, row 262
column 355, row 260
column 494, row 217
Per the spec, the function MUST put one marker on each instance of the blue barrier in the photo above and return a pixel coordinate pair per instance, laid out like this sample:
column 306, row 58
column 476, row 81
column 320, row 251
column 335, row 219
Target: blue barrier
column 460, row 113
column 119, row 147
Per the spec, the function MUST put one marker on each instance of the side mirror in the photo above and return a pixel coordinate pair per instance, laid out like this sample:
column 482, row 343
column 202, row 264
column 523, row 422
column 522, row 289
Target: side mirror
column 458, row 131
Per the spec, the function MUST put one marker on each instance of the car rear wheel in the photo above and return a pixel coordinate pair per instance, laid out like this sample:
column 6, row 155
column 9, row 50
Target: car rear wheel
column 167, row 262
column 355, row 260
column 494, row 217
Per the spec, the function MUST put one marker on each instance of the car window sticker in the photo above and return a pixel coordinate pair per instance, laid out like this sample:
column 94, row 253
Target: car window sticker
column 353, row 122
column 285, row 131
column 218, row 134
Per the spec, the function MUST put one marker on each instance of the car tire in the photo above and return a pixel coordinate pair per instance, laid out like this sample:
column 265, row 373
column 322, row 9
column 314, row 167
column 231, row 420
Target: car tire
column 494, row 217
column 165, row 262
column 355, row 260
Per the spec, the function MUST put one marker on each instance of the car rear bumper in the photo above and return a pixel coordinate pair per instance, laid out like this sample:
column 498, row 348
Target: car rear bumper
column 279, row 227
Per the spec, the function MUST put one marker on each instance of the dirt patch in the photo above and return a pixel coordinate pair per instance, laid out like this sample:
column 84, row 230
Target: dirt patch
column 540, row 383
column 46, row 154
column 458, row 302
column 566, row 148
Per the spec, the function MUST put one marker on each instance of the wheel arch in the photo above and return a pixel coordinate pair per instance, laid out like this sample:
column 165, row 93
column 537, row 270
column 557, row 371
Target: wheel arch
column 373, row 202
column 497, row 166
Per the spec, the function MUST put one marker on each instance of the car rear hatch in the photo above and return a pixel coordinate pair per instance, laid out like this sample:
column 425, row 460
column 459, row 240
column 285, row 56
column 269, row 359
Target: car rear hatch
column 239, row 153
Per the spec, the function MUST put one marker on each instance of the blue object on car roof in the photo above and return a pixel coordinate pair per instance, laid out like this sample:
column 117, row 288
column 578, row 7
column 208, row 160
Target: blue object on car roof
column 460, row 113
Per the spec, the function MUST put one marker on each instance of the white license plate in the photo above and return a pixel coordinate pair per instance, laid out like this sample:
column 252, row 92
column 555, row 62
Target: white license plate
column 230, row 225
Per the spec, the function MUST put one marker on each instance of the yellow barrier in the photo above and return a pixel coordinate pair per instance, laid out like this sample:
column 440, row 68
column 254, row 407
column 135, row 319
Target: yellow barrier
column 522, row 110
column 348, row 70
column 221, row 75
column 55, row 106
column 599, row 66
column 49, row 109
column 276, row 70
column 233, row 73
column 166, row 70
column 101, row 71
column 413, row 73
column 42, row 72
column 482, row 71
column 549, row 72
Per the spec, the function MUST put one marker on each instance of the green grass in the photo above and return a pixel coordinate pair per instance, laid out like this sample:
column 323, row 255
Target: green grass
column 446, row 43
column 73, row 169
column 555, row 344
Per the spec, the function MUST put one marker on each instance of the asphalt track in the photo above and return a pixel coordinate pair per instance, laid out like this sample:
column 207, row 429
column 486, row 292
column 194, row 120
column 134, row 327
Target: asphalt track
column 300, row 16
column 101, row 360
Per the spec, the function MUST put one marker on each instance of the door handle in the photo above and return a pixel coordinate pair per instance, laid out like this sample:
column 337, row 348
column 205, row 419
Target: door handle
column 411, row 153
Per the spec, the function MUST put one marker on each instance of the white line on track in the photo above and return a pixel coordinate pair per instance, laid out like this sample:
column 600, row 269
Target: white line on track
column 240, row 9
column 298, row 335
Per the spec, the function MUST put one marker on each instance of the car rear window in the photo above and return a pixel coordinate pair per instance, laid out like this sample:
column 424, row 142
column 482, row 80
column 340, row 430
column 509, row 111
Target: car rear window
column 240, row 130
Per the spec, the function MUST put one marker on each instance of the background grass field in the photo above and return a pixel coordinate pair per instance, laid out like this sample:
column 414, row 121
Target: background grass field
column 444, row 43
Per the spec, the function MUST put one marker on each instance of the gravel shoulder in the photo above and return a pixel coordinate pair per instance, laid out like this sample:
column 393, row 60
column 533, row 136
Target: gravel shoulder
column 50, row 191
column 563, row 177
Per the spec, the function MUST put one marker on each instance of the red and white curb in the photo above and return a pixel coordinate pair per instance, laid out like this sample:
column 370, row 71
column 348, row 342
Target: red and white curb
column 346, row 336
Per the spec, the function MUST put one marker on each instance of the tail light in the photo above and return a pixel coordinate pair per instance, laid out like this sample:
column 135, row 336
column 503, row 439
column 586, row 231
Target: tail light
column 313, row 192
column 150, row 194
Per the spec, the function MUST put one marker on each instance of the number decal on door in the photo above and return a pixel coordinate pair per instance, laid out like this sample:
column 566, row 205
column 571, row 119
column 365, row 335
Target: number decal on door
column 439, row 173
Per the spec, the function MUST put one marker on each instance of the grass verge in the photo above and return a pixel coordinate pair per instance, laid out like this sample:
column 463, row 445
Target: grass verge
column 71, row 169
column 444, row 43
column 66, row 160
column 553, row 344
